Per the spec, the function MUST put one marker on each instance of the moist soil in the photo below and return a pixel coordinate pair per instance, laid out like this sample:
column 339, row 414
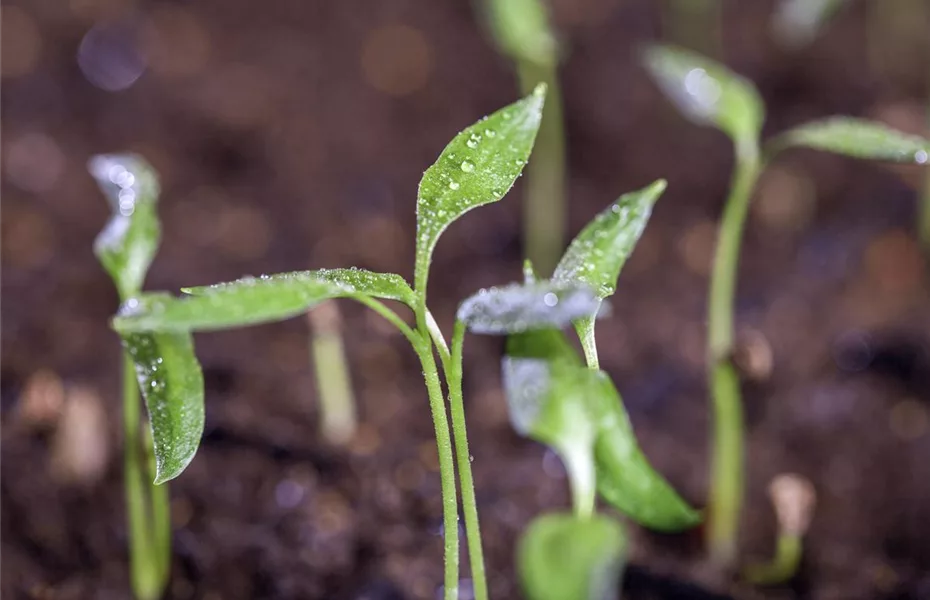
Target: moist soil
column 279, row 151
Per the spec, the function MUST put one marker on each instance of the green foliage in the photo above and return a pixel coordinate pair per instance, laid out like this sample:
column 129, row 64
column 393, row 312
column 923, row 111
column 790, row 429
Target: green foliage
column 171, row 381
column 707, row 92
column 797, row 22
column 128, row 243
column 563, row 557
column 478, row 167
column 555, row 400
column 514, row 308
column 858, row 138
column 253, row 300
column 521, row 30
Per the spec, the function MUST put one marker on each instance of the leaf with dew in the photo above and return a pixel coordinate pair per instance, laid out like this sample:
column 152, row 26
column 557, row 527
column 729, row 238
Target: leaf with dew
column 253, row 300
column 858, row 138
column 128, row 243
column 171, row 381
column 478, row 167
column 707, row 92
column 518, row 307
column 565, row 557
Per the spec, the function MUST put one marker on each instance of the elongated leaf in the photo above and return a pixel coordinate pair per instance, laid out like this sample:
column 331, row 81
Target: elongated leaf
column 624, row 476
column 556, row 401
column 858, row 138
column 171, row 381
column 514, row 308
column 128, row 243
column 797, row 22
column 596, row 255
column 563, row 557
column 253, row 300
column 478, row 167
column 521, row 30
column 706, row 91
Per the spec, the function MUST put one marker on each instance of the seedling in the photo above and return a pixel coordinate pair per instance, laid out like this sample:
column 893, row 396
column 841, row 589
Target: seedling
column 334, row 384
column 521, row 30
column 570, row 405
column 710, row 94
column 162, row 364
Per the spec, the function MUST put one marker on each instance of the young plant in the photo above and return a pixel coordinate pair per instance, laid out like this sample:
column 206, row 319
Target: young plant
column 162, row 364
column 521, row 30
column 710, row 94
column 334, row 383
column 570, row 405
column 478, row 167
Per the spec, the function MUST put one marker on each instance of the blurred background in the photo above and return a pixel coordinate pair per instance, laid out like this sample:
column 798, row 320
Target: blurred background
column 292, row 135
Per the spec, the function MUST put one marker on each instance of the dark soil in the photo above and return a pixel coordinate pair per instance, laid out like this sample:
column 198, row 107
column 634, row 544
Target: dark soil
column 278, row 152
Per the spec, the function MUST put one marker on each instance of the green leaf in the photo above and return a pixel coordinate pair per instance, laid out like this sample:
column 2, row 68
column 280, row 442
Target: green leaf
column 171, row 381
column 478, row 167
column 624, row 476
column 563, row 557
column 521, row 30
column 596, row 255
column 554, row 400
column 797, row 22
column 707, row 92
column 253, row 300
column 858, row 138
column 514, row 308
column 127, row 245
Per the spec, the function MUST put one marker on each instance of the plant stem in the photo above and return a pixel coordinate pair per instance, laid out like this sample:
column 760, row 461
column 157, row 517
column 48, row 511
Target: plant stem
column 544, row 210
column 337, row 402
column 783, row 566
column 924, row 208
column 161, row 515
column 450, row 516
column 453, row 370
column 147, row 570
column 727, row 454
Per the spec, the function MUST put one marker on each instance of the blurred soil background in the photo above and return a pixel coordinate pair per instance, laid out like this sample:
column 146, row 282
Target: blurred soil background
column 292, row 135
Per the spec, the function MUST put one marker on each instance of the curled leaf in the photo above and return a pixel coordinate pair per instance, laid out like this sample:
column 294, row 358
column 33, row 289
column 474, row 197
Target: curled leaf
column 171, row 381
column 253, row 300
column 858, row 138
column 478, row 167
column 514, row 308
column 128, row 242
column 564, row 557
column 706, row 91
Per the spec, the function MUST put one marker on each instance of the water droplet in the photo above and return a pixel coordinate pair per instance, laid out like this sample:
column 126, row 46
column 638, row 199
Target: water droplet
column 453, row 185
column 490, row 132
column 550, row 299
column 468, row 167
column 921, row 156
column 472, row 143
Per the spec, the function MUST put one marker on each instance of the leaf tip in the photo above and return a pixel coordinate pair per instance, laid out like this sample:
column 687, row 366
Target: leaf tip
column 540, row 90
column 656, row 189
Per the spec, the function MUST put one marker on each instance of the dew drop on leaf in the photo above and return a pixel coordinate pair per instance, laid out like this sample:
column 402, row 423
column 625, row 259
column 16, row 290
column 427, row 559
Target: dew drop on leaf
column 468, row 167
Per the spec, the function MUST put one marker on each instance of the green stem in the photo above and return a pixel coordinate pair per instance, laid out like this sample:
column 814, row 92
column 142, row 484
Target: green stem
column 544, row 210
column 450, row 517
column 924, row 209
column 727, row 454
column 453, row 370
column 161, row 514
column 784, row 565
column 337, row 402
column 146, row 571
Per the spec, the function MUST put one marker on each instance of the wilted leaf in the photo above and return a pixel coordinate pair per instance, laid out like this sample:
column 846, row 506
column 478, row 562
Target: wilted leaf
column 514, row 308
column 478, row 167
column 252, row 300
column 563, row 557
column 128, row 243
column 171, row 381
column 707, row 92
column 858, row 138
